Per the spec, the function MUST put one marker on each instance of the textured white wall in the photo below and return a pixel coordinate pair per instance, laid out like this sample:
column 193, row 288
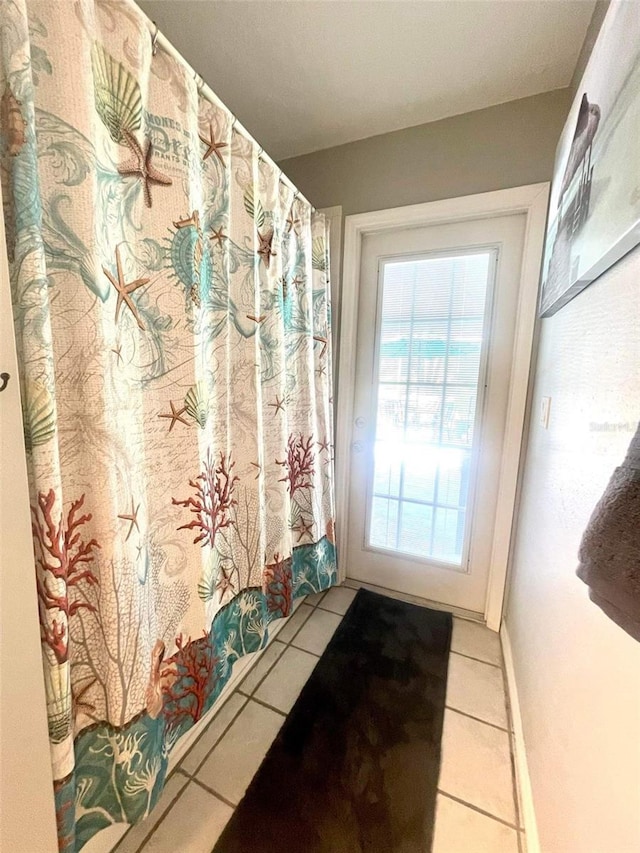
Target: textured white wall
column 578, row 674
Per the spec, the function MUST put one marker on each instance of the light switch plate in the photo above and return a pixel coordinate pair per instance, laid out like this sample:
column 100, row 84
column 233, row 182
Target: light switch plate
column 545, row 411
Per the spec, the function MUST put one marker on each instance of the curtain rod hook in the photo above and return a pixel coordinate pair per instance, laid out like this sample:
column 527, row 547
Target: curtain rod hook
column 154, row 39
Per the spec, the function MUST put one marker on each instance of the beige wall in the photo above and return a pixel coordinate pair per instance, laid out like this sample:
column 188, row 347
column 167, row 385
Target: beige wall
column 578, row 674
column 504, row 146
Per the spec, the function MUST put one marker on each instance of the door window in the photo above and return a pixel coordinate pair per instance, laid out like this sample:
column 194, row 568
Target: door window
column 429, row 375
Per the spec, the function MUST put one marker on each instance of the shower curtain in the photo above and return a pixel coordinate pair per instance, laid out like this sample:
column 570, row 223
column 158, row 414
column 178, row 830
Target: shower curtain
column 171, row 309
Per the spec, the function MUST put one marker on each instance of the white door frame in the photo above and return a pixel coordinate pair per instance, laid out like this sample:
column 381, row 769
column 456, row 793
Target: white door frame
column 532, row 201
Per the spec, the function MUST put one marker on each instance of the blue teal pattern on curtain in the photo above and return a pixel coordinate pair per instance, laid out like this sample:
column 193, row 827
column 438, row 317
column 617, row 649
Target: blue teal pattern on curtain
column 170, row 297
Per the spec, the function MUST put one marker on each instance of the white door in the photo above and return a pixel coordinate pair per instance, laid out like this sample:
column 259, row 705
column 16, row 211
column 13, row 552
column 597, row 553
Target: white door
column 436, row 320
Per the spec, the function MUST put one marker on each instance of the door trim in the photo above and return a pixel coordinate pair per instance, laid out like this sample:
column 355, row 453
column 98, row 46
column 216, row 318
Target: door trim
column 532, row 201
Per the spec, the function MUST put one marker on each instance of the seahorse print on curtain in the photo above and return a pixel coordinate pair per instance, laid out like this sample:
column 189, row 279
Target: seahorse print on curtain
column 170, row 298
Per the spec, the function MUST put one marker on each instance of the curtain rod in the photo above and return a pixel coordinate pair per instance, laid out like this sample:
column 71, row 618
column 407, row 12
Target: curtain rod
column 158, row 39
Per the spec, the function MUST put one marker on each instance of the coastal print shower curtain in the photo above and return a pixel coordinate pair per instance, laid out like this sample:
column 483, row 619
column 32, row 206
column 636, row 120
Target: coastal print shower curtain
column 171, row 310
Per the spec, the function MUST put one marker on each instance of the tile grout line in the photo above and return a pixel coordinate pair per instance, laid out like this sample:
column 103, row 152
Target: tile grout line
column 514, row 775
column 217, row 741
column 191, row 777
column 509, row 731
column 478, row 660
column 214, row 793
column 288, row 645
column 516, row 789
column 479, row 810
column 142, row 845
column 249, row 695
column 516, row 793
column 297, row 631
column 315, row 654
column 328, row 610
column 477, row 719
column 246, row 697
column 270, row 708
column 285, row 643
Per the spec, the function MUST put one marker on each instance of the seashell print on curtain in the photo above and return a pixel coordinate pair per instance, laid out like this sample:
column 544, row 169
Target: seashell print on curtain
column 171, row 310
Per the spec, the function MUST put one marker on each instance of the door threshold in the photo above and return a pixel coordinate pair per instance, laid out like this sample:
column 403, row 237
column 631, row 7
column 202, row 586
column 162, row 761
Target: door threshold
column 459, row 612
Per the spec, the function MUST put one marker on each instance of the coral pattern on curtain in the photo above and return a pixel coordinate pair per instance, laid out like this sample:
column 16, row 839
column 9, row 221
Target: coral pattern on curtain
column 171, row 309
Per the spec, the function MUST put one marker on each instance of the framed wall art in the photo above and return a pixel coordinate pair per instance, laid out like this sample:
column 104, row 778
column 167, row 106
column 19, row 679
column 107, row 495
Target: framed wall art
column 594, row 211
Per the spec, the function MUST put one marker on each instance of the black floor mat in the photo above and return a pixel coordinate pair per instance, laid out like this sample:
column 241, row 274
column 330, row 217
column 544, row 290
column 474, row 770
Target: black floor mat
column 355, row 766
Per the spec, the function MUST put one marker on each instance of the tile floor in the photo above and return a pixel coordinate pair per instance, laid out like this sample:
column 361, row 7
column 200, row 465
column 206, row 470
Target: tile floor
column 477, row 808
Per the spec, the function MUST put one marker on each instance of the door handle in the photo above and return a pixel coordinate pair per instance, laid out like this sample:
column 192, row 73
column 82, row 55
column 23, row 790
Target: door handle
column 4, row 380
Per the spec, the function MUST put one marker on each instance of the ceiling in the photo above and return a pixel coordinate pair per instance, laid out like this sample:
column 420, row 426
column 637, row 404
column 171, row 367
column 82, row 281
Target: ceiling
column 302, row 75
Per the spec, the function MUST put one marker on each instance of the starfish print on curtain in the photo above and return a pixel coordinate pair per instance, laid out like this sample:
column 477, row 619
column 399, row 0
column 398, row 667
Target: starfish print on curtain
column 218, row 236
column 278, row 405
column 224, row 583
column 175, row 415
column 303, row 529
column 293, row 222
column 125, row 290
column 265, row 249
column 131, row 517
column 140, row 166
column 323, row 444
column 213, row 147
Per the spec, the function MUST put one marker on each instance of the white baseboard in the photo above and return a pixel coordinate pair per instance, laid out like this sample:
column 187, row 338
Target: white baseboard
column 525, row 793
